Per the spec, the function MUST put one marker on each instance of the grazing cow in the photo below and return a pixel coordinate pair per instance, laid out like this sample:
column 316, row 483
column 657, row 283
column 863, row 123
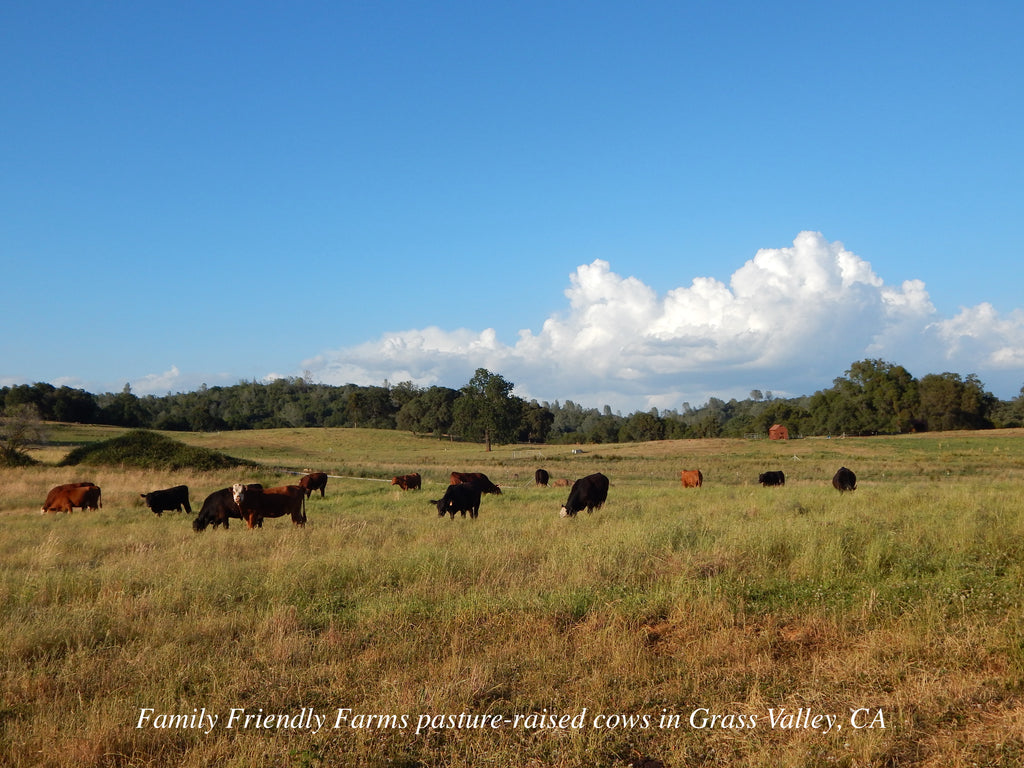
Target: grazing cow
column 460, row 497
column 59, row 490
column 257, row 504
column 479, row 479
column 691, row 478
column 64, row 498
column 561, row 482
column 168, row 500
column 410, row 482
column 218, row 507
column 541, row 477
column 771, row 478
column 844, row 480
column 314, row 481
column 588, row 493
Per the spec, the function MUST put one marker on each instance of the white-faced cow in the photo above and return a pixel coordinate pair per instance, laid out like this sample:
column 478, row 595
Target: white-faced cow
column 587, row 493
column 168, row 500
column 217, row 508
column 460, row 497
column 844, row 480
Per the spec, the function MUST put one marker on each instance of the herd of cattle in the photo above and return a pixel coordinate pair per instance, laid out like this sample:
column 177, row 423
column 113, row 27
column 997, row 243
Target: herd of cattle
column 252, row 503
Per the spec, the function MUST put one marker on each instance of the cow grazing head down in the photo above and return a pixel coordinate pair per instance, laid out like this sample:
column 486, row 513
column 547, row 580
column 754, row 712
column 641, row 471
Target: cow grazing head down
column 460, row 497
column 217, row 508
column 410, row 482
column 769, row 479
column 587, row 493
column 314, row 481
column 844, row 480
column 691, row 478
column 65, row 498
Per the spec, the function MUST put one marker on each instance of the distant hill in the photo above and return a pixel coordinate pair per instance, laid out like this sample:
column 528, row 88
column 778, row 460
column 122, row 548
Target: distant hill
column 143, row 449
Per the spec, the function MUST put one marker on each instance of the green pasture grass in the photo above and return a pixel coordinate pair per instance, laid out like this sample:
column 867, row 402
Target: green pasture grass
column 902, row 597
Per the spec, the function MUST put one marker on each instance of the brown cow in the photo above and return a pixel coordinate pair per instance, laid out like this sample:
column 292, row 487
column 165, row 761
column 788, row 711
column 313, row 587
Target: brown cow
column 314, row 481
column 561, row 482
column 478, row 479
column 255, row 505
column 410, row 482
column 691, row 478
column 64, row 498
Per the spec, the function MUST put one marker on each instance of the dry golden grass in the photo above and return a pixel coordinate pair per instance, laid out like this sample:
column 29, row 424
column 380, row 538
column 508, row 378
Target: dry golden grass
column 902, row 598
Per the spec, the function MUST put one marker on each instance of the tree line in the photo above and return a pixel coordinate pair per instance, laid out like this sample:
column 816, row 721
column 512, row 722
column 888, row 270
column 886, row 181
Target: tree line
column 873, row 397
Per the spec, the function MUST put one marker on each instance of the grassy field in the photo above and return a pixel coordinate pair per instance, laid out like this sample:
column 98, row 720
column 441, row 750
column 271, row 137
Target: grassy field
column 726, row 625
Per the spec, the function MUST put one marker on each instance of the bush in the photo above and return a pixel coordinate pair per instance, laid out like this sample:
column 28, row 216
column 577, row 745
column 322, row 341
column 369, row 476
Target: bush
column 149, row 450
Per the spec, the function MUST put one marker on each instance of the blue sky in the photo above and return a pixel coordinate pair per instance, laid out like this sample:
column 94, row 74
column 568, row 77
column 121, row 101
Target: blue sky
column 638, row 204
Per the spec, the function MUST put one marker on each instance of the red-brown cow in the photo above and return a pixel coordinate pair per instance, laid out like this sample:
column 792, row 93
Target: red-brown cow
column 255, row 505
column 410, row 482
column 64, row 498
column 314, row 481
column 691, row 478
column 477, row 479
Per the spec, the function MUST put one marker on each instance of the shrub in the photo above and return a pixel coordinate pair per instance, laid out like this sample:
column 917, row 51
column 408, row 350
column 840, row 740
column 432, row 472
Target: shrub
column 150, row 450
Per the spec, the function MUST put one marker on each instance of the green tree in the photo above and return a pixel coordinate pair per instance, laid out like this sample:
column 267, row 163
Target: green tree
column 429, row 412
column 642, row 427
column 20, row 426
column 124, row 410
column 949, row 401
column 535, row 423
column 486, row 409
column 874, row 396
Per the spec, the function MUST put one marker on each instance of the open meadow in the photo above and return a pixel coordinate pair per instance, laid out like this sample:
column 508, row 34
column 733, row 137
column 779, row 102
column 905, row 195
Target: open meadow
column 724, row 625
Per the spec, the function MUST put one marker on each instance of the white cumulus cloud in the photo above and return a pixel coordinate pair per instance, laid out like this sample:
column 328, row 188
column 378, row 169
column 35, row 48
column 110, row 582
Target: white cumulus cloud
column 790, row 320
column 157, row 383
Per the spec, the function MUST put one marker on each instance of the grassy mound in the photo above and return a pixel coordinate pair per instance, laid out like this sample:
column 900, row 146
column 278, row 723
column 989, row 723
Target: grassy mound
column 149, row 450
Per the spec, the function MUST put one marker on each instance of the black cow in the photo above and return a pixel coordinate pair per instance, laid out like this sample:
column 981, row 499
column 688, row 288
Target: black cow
column 218, row 507
column 460, row 497
column 314, row 481
column 844, row 480
column 771, row 478
column 587, row 493
column 168, row 500
column 541, row 477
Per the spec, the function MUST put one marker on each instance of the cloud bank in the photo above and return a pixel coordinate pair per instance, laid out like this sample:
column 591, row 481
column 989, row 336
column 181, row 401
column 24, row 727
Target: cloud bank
column 790, row 320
